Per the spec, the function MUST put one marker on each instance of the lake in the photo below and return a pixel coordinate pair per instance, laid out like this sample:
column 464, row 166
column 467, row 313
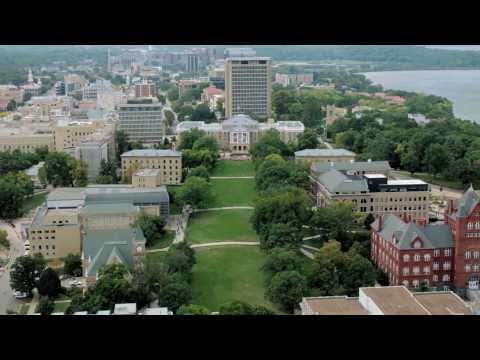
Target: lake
column 462, row 87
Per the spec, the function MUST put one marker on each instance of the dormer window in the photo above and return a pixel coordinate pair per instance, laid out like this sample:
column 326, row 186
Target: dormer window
column 417, row 244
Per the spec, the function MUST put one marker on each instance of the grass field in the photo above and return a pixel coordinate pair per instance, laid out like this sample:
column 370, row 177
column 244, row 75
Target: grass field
column 225, row 274
column 24, row 309
column 34, row 202
column 232, row 192
column 233, row 168
column 223, row 225
column 164, row 241
column 61, row 306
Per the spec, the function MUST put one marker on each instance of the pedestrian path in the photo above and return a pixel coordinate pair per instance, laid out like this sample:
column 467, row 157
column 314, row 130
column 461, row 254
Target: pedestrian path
column 33, row 304
column 311, row 247
column 307, row 253
column 212, row 244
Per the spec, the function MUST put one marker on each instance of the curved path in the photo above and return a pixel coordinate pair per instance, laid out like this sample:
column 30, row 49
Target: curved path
column 231, row 177
column 211, row 244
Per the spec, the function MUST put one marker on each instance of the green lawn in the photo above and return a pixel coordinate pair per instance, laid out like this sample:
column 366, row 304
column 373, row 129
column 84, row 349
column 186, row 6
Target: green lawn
column 233, row 168
column 225, row 274
column 164, row 241
column 232, row 192
column 24, row 309
column 34, row 202
column 222, row 225
column 61, row 307
column 157, row 256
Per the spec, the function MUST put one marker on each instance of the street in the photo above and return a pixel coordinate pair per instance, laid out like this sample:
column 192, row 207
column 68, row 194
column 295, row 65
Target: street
column 7, row 300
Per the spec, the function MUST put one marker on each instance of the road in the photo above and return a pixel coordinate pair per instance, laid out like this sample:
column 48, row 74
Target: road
column 328, row 145
column 7, row 301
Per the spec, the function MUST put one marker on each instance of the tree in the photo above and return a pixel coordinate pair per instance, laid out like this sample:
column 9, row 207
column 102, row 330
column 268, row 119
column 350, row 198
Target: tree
column 49, row 283
column 80, row 174
column 194, row 158
column 186, row 111
column 12, row 105
column 410, row 161
column 42, row 176
column 369, row 219
column 152, row 227
column 281, row 259
column 242, row 308
column 199, row 171
column 25, row 271
column 286, row 289
column 206, row 143
column 109, row 169
column 358, row 272
column 59, row 168
column 178, row 263
column 195, row 191
column 172, row 94
column 161, row 99
column 436, row 158
column 186, row 249
column 202, row 113
column 175, row 294
column 4, row 239
column 281, row 235
column 308, row 140
column 382, row 277
column 45, row 306
column 188, row 138
column 269, row 143
column 192, row 310
column 102, row 179
column 72, row 265
column 169, row 117
column 15, row 189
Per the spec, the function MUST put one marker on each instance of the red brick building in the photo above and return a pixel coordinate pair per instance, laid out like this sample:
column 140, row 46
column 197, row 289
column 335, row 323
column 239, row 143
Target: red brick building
column 441, row 255
column 413, row 253
column 463, row 217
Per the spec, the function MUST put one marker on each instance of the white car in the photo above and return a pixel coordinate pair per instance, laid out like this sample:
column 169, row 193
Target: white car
column 75, row 282
column 19, row 295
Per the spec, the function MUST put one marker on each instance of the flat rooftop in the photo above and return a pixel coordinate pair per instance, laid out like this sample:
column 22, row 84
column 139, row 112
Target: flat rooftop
column 324, row 152
column 406, row 182
column 151, row 153
column 443, row 303
column 375, row 176
column 336, row 305
column 395, row 300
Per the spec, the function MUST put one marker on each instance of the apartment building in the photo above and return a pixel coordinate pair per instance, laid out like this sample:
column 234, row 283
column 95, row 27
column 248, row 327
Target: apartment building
column 369, row 192
column 141, row 122
column 324, row 156
column 187, row 84
column 239, row 133
column 248, row 86
column 389, row 300
column 169, row 163
column 68, row 134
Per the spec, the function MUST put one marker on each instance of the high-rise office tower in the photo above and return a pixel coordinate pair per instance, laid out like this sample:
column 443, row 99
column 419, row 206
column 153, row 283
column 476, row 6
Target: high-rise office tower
column 192, row 63
column 248, row 86
column 141, row 122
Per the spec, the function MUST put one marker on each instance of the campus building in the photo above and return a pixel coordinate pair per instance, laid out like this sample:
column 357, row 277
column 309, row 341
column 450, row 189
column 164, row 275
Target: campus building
column 145, row 89
column 294, row 79
column 149, row 178
column 68, row 134
column 389, row 300
column 324, row 155
column 141, row 122
column 26, row 142
column 248, row 86
column 169, row 163
column 369, row 192
column 239, row 133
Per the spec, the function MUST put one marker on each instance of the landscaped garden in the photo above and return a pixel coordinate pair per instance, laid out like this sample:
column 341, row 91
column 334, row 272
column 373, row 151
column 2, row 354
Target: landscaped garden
column 220, row 225
column 233, row 168
column 224, row 274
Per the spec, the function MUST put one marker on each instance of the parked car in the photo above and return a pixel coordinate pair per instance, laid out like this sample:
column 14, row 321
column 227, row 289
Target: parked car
column 20, row 295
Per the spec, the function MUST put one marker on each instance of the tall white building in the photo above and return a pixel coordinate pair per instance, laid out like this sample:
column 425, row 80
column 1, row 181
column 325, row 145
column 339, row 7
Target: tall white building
column 248, row 86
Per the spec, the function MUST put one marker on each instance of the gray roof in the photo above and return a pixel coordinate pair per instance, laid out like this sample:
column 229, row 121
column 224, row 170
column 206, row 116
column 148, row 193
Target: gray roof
column 240, row 121
column 432, row 236
column 467, row 203
column 324, row 152
column 121, row 194
column 335, row 181
column 151, row 153
column 118, row 208
column 377, row 166
column 67, row 193
column 100, row 246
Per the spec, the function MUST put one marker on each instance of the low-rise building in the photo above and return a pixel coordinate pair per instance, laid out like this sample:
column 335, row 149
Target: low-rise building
column 68, row 134
column 211, row 95
column 333, row 113
column 294, row 79
column 145, row 89
column 324, row 155
column 390, row 300
column 240, row 132
column 169, row 163
column 187, row 84
column 26, row 142
column 149, row 178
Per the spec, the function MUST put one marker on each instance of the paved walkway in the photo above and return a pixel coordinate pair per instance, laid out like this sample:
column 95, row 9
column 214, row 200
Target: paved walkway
column 226, row 208
column 231, row 177
column 307, row 253
column 33, row 304
column 311, row 247
column 212, row 244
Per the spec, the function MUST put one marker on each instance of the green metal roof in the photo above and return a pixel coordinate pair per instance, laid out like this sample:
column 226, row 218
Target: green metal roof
column 100, row 246
column 467, row 203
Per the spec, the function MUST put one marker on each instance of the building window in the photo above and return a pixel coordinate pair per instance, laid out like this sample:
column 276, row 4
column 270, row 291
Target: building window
column 446, row 265
column 468, row 254
column 448, row 252
column 436, row 252
column 406, row 271
column 468, row 268
column 417, row 245
column 476, row 254
column 435, row 265
column 415, row 284
column 446, row 278
column 426, row 257
column 416, row 270
column 426, row 270
column 405, row 283
column 470, row 226
column 435, row 278
column 416, row 257
column 406, row 258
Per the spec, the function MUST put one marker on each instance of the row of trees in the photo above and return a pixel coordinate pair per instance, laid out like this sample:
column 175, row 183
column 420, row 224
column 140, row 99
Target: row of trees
column 198, row 149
